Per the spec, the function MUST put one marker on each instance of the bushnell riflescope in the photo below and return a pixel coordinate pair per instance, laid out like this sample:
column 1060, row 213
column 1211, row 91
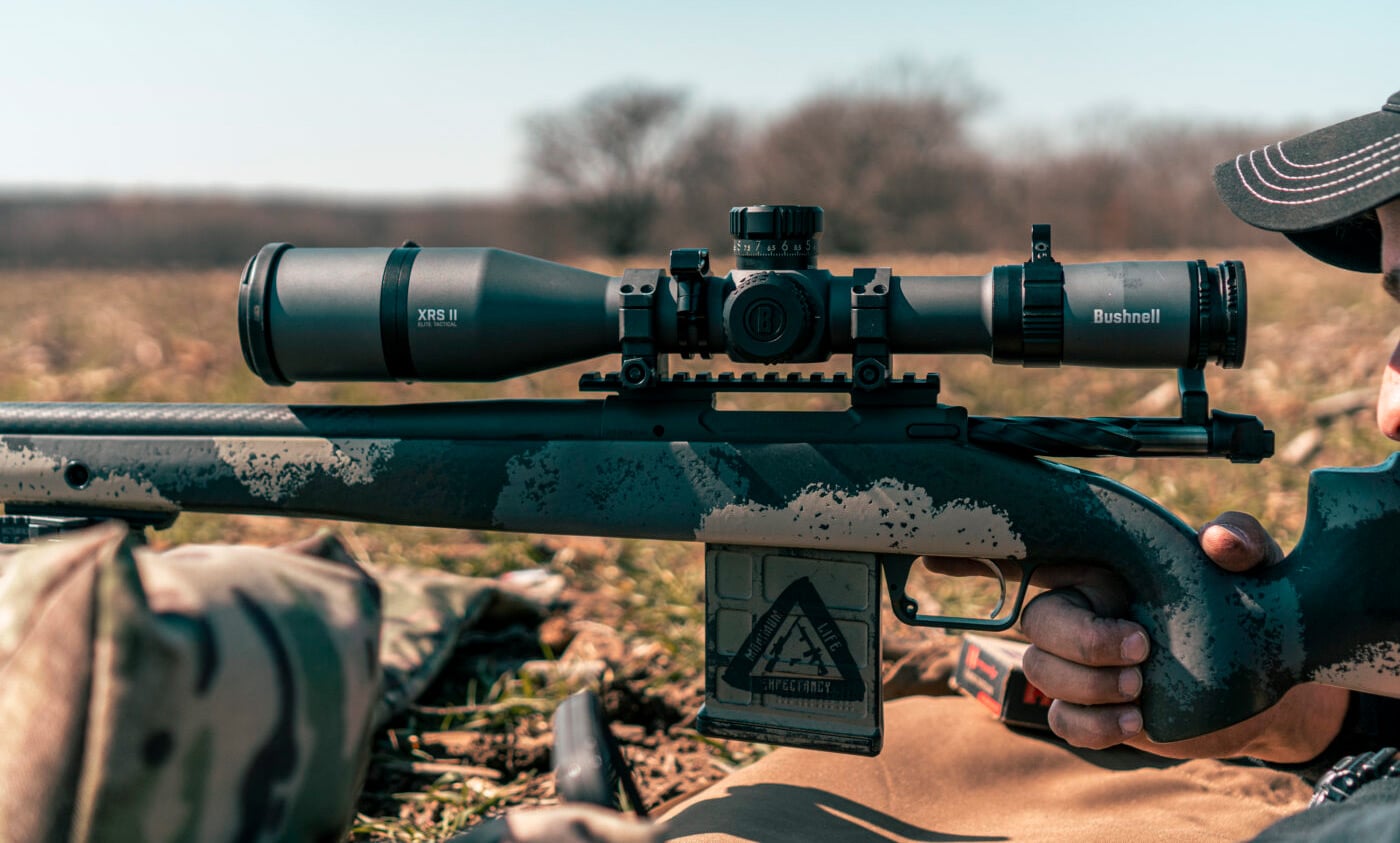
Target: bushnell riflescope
column 479, row 314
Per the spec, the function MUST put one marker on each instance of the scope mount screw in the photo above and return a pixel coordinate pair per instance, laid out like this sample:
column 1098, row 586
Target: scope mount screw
column 636, row 373
column 869, row 374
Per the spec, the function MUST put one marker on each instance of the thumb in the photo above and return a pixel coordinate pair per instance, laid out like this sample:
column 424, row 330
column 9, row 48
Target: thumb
column 1238, row 542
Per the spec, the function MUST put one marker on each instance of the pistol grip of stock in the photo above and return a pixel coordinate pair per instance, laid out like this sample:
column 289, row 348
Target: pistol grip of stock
column 1227, row 646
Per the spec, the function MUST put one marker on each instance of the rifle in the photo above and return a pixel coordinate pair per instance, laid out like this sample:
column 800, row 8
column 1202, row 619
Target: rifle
column 800, row 512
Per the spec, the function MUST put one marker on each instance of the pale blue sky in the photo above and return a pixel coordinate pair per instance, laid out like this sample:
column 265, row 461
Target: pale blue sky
column 427, row 98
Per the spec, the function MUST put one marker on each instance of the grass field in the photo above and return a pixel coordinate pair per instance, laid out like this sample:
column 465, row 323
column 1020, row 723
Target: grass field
column 171, row 336
column 1314, row 332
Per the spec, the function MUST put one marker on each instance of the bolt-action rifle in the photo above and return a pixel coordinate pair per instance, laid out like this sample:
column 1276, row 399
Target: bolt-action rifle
column 800, row 512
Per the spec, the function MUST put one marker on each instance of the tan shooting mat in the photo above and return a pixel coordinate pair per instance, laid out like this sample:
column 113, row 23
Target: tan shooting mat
column 949, row 772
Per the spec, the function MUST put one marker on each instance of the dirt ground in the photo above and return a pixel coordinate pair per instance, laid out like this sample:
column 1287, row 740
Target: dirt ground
column 451, row 766
column 478, row 742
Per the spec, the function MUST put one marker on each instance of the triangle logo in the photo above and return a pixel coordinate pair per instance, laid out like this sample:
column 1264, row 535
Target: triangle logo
column 797, row 650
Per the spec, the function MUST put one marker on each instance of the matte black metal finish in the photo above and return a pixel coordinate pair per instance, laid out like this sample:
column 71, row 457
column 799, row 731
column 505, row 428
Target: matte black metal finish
column 776, row 236
column 487, row 314
column 588, row 765
column 254, row 330
column 393, row 313
column 420, row 314
column 683, row 418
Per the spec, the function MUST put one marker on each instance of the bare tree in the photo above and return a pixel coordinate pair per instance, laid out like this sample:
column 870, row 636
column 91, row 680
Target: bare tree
column 707, row 176
column 1135, row 183
column 609, row 159
column 892, row 166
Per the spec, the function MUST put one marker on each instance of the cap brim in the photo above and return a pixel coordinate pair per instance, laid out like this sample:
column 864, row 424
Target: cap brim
column 1318, row 188
column 1353, row 243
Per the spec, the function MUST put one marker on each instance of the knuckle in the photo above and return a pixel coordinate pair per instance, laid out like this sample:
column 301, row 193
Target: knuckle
column 1102, row 644
column 1047, row 613
column 1072, row 683
column 1091, row 687
column 1074, row 633
column 1031, row 620
column 1083, row 726
column 1095, row 740
column 1039, row 669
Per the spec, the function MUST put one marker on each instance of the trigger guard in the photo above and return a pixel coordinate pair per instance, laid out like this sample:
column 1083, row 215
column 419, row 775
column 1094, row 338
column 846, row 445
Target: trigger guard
column 896, row 569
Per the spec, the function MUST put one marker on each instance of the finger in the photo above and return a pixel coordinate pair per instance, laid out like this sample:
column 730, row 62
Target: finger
column 1066, row 623
column 1099, row 580
column 1097, row 726
column 1237, row 542
column 960, row 566
column 1076, row 683
column 1107, row 593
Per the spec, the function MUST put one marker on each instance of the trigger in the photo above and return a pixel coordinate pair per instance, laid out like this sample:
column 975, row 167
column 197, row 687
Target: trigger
column 1001, row 582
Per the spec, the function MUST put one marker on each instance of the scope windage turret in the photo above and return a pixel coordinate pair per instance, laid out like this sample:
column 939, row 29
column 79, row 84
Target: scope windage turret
column 476, row 314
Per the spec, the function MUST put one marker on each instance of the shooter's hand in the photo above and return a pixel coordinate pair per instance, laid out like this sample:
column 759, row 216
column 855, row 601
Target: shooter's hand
column 1088, row 658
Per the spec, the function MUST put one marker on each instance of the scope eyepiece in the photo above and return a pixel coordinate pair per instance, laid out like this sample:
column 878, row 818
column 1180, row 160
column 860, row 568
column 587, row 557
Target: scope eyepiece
column 1224, row 321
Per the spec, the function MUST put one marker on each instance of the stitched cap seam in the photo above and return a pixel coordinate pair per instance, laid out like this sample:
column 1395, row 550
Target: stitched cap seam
column 1240, row 172
column 1323, row 186
column 1265, row 150
column 1331, row 161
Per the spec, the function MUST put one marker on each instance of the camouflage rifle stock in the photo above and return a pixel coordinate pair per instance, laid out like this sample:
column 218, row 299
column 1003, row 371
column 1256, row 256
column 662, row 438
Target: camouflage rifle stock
column 800, row 512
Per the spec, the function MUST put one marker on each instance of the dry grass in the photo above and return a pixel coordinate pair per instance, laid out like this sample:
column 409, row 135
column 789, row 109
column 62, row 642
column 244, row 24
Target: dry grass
column 170, row 336
column 1315, row 332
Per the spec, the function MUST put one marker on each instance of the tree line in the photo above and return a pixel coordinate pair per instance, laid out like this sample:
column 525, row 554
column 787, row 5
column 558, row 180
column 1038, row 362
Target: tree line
column 633, row 170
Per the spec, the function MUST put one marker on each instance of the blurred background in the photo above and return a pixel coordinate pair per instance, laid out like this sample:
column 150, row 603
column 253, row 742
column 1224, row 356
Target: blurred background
column 149, row 148
column 162, row 133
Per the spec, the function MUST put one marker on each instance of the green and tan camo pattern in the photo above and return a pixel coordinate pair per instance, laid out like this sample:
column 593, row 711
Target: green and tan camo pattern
column 897, row 481
column 205, row 693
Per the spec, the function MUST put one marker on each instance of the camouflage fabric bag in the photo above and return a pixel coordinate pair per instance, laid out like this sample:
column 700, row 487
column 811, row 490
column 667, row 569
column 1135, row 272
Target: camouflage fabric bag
column 425, row 614
column 203, row 693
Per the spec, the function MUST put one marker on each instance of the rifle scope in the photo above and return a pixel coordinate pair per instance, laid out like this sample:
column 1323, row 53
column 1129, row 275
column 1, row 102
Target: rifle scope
column 480, row 314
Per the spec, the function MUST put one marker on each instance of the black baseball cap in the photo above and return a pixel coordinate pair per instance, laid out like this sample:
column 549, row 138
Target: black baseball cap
column 1321, row 189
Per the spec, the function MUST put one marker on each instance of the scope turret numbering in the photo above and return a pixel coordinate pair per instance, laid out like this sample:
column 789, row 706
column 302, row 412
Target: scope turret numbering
column 775, row 236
